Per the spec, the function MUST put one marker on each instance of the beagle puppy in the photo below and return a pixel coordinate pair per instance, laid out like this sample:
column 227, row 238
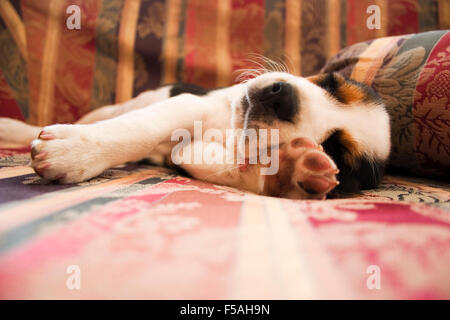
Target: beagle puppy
column 323, row 136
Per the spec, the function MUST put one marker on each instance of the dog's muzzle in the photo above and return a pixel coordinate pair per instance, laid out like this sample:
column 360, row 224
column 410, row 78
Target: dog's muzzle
column 276, row 101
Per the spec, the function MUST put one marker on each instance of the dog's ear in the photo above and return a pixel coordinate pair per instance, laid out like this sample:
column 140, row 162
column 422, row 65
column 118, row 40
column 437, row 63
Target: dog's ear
column 344, row 90
column 356, row 170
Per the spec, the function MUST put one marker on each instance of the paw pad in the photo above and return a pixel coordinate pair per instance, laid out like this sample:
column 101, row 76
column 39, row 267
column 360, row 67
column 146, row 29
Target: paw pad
column 303, row 143
column 306, row 171
column 317, row 161
column 317, row 184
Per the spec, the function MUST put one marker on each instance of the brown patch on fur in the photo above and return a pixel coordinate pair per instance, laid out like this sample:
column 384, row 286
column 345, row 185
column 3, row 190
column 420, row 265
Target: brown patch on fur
column 352, row 149
column 345, row 91
column 316, row 78
column 350, row 93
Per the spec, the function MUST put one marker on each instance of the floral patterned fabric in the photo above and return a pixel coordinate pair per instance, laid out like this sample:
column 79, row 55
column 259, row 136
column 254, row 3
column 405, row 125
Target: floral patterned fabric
column 52, row 74
column 412, row 75
column 142, row 232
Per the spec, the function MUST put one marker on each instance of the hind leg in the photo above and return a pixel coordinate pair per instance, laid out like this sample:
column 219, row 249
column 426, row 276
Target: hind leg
column 143, row 100
column 17, row 133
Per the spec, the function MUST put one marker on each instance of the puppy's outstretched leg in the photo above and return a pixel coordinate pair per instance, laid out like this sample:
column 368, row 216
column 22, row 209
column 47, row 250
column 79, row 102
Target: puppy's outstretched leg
column 142, row 100
column 17, row 133
column 74, row 153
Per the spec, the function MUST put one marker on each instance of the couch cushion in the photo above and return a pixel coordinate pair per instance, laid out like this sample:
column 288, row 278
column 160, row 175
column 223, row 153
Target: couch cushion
column 142, row 232
column 126, row 47
column 411, row 74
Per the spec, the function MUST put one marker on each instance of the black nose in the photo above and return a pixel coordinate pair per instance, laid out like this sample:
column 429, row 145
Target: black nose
column 280, row 98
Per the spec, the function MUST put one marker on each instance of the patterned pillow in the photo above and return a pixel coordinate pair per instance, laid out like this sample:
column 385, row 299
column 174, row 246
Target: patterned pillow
column 411, row 73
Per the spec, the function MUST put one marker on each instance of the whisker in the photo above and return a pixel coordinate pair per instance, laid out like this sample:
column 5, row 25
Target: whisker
column 245, row 125
column 247, row 73
column 262, row 65
column 275, row 64
column 288, row 62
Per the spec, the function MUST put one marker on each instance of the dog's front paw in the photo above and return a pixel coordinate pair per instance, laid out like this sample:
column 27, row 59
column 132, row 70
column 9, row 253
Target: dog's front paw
column 314, row 171
column 67, row 154
column 305, row 172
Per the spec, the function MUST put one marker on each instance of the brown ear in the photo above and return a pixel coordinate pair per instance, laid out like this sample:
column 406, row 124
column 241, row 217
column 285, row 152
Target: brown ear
column 352, row 150
column 316, row 78
column 343, row 90
column 356, row 171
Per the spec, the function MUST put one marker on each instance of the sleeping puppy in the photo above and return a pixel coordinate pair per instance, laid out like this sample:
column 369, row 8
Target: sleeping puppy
column 332, row 135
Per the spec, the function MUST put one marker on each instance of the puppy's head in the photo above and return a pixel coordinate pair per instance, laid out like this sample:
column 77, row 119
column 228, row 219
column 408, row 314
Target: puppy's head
column 344, row 116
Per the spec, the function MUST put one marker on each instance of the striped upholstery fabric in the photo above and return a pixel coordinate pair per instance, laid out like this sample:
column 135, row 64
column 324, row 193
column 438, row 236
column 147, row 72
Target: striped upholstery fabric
column 142, row 232
column 49, row 73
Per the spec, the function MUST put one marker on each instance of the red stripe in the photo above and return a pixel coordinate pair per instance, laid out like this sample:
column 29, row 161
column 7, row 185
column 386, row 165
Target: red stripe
column 357, row 15
column 403, row 17
column 247, row 32
column 200, row 44
column 190, row 33
column 8, row 105
column 76, row 63
column 351, row 22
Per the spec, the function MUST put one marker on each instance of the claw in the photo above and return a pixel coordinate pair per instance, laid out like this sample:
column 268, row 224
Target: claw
column 41, row 167
column 40, row 156
column 34, row 153
column 46, row 136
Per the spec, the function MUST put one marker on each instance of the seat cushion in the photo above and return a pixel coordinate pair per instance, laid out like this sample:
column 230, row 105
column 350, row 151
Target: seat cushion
column 144, row 232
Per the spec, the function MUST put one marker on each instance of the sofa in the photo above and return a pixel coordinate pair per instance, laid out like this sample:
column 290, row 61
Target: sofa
column 143, row 232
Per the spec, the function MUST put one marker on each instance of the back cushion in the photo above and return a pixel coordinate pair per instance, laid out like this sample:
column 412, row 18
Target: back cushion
column 50, row 73
column 411, row 73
